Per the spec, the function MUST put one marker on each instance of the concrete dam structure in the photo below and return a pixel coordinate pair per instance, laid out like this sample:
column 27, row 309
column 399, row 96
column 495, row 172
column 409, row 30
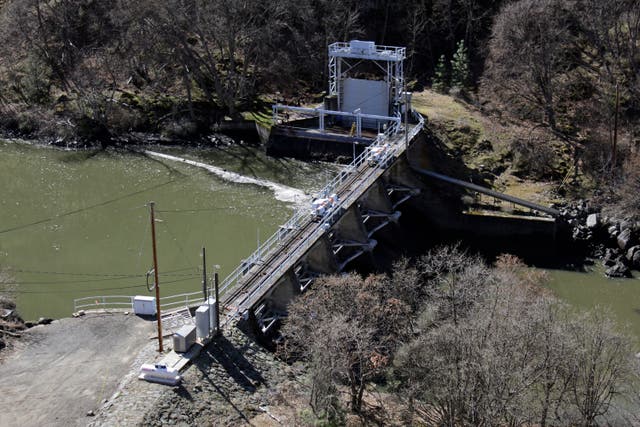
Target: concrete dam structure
column 372, row 194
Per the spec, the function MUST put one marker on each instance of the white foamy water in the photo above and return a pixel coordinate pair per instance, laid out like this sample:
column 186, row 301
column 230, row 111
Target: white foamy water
column 282, row 192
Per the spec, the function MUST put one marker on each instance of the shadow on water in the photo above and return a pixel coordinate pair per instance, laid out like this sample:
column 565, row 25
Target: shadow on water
column 248, row 156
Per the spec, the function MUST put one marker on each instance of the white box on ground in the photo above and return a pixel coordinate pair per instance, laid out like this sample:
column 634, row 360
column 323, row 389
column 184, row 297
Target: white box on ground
column 144, row 305
column 159, row 373
column 203, row 322
column 212, row 312
column 184, row 338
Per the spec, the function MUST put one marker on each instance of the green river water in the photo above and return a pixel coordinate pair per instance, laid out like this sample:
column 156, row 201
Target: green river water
column 75, row 224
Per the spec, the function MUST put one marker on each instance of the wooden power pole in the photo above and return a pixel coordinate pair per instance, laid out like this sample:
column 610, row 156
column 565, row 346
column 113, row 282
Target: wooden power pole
column 614, row 148
column 155, row 273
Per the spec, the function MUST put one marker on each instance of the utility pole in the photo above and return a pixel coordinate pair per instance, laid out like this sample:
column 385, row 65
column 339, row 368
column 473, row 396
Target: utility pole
column 204, row 273
column 155, row 272
column 614, row 148
column 215, row 284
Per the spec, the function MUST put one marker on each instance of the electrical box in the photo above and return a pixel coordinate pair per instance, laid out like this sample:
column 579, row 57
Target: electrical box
column 407, row 97
column 184, row 338
column 143, row 305
column 203, row 322
column 212, row 312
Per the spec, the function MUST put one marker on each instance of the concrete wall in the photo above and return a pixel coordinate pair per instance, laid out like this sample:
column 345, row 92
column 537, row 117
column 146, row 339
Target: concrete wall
column 302, row 144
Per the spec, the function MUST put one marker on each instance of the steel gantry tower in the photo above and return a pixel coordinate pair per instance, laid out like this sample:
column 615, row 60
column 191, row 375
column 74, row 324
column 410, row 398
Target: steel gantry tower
column 346, row 56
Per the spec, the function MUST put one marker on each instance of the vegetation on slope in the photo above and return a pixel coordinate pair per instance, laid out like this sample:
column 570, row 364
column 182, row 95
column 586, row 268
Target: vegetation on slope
column 458, row 343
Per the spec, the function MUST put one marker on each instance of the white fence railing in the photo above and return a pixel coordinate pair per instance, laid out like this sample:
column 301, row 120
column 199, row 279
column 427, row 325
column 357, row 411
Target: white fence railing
column 104, row 302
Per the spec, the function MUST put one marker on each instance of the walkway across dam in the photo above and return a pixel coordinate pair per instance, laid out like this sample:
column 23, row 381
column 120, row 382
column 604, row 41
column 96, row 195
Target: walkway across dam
column 243, row 290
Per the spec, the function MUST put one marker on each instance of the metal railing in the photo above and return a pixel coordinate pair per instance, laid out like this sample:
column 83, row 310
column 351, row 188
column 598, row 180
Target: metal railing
column 322, row 113
column 104, row 302
column 182, row 300
column 394, row 53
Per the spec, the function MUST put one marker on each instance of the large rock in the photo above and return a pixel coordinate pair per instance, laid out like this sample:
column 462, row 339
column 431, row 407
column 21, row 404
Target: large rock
column 618, row 270
column 613, row 231
column 624, row 239
column 593, row 220
column 611, row 257
column 633, row 256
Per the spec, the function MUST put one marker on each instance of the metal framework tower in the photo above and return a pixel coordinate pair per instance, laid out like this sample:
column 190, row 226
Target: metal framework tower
column 345, row 56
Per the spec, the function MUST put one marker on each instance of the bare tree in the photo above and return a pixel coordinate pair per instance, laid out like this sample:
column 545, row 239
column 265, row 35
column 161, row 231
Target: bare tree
column 601, row 358
column 513, row 356
column 530, row 50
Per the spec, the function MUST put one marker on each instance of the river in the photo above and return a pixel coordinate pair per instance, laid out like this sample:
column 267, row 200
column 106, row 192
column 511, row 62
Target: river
column 75, row 223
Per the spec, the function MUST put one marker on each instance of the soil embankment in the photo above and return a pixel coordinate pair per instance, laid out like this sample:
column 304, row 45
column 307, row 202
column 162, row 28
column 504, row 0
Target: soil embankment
column 56, row 374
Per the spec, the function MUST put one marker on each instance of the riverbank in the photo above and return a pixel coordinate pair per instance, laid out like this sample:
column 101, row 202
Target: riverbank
column 60, row 374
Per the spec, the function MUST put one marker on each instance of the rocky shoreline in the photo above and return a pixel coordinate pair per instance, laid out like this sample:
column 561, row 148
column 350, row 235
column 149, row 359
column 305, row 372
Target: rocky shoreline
column 614, row 242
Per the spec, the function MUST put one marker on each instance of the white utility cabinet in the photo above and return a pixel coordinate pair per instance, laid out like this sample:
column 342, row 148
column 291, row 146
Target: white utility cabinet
column 143, row 305
column 203, row 322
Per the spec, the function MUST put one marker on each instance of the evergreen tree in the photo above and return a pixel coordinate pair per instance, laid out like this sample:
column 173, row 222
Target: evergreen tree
column 460, row 70
column 441, row 77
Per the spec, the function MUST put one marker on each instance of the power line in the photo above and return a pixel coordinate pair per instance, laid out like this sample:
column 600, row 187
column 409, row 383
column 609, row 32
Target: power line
column 89, row 290
column 78, row 282
column 75, row 211
column 59, row 273
column 228, row 208
column 184, row 255
column 118, row 275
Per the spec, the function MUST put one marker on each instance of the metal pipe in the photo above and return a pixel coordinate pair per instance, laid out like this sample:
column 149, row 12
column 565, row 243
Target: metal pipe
column 479, row 189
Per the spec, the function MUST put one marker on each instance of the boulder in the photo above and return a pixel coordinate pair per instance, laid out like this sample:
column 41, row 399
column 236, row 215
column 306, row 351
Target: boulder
column 581, row 233
column 593, row 220
column 44, row 321
column 624, row 239
column 618, row 270
column 611, row 257
column 633, row 256
column 613, row 231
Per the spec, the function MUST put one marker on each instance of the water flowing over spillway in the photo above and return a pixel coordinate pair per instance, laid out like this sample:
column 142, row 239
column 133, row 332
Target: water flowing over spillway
column 282, row 192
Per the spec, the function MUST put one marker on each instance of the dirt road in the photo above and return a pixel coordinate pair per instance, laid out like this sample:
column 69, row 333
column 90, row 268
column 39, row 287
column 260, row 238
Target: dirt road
column 59, row 372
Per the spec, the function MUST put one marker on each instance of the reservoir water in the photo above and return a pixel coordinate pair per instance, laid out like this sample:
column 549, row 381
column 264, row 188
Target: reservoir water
column 76, row 224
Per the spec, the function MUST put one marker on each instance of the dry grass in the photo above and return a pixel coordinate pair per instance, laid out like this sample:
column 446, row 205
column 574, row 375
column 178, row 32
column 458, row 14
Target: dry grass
column 467, row 128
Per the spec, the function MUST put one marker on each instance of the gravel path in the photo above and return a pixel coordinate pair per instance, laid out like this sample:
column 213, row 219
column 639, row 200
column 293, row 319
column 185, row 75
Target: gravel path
column 60, row 372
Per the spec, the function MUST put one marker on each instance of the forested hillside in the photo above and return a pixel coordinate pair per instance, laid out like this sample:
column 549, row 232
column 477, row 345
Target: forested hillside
column 133, row 65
